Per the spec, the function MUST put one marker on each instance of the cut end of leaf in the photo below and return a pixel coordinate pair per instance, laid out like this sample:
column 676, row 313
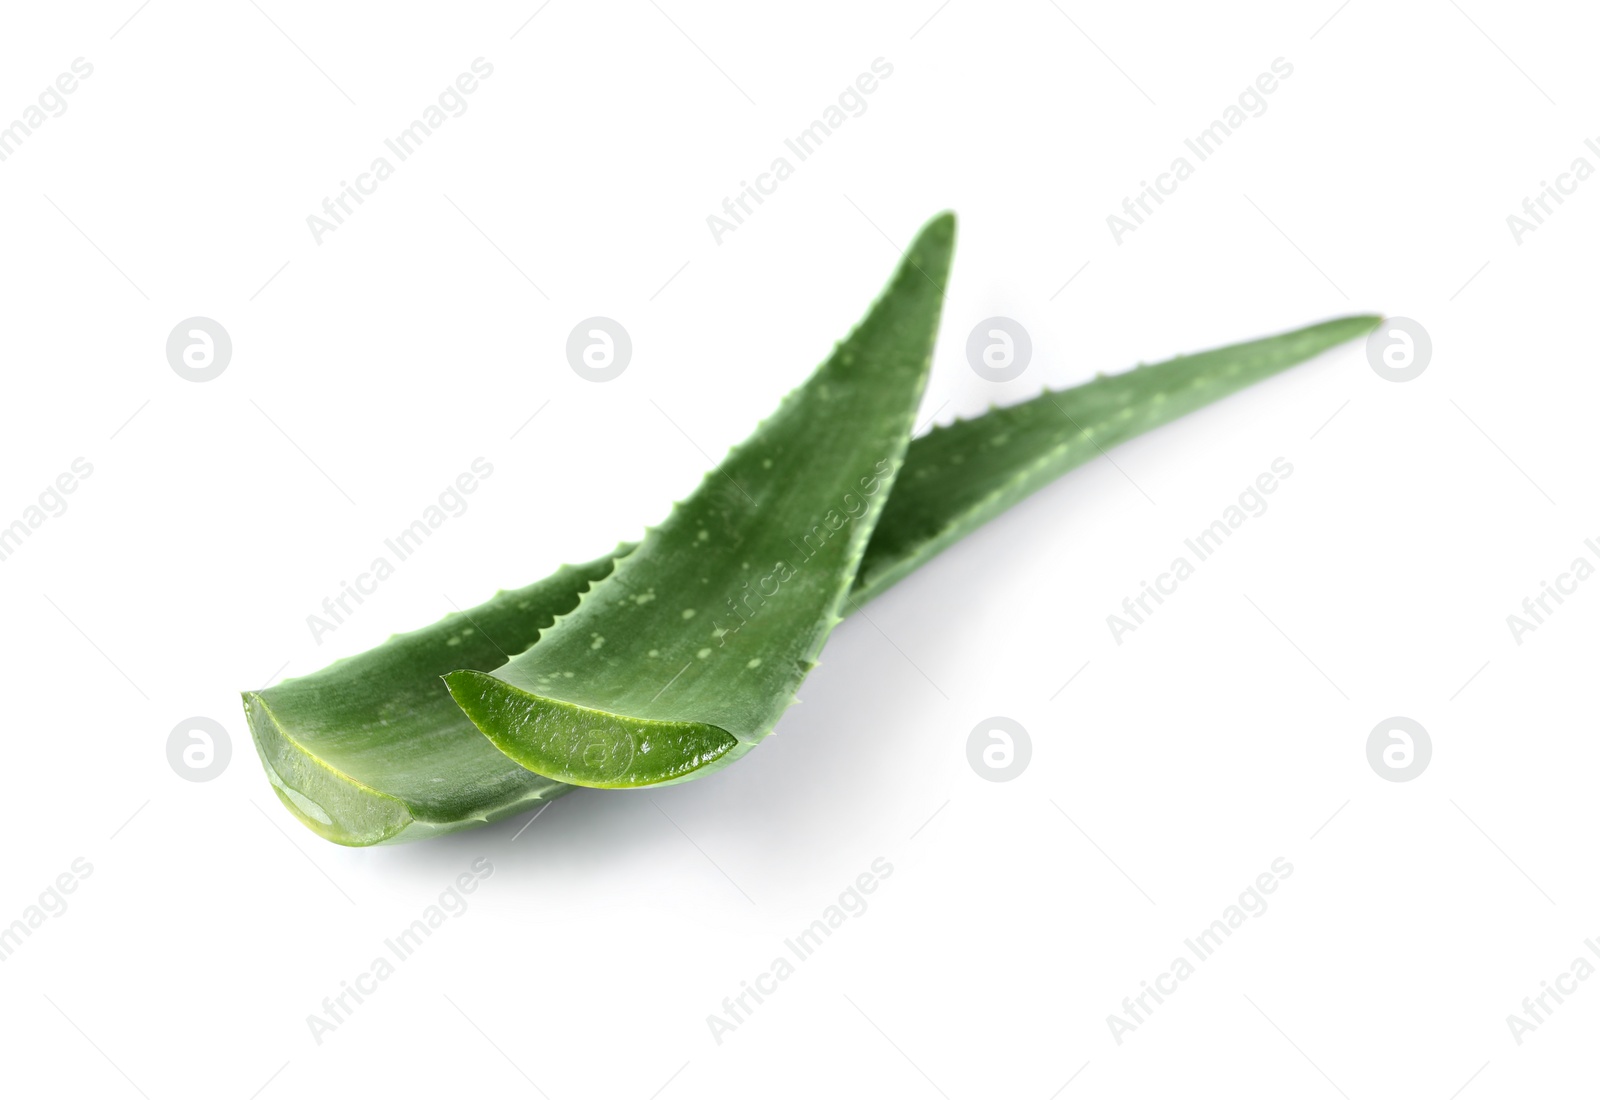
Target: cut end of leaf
column 580, row 746
column 330, row 804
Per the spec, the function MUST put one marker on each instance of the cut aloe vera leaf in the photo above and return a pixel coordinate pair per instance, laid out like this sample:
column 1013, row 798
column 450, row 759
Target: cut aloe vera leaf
column 689, row 652
column 372, row 749
column 961, row 476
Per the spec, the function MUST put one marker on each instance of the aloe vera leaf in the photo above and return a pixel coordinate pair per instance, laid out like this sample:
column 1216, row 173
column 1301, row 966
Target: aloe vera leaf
column 571, row 709
column 373, row 750
column 961, row 476
column 687, row 655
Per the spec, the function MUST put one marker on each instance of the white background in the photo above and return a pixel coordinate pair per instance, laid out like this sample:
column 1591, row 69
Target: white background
column 1229, row 730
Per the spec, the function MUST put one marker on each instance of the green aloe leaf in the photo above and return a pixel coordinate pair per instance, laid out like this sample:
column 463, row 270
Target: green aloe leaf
column 678, row 700
column 687, row 655
column 959, row 477
column 373, row 750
